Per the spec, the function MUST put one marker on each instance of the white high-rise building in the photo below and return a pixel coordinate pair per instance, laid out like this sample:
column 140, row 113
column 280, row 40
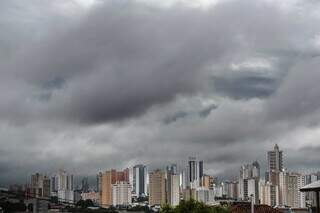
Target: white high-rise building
column 205, row 195
column 249, row 182
column 302, row 196
column 269, row 194
column 173, row 193
column 289, row 189
column 121, row 194
column 218, row 190
column 253, row 189
column 185, row 183
column 230, row 189
column 283, row 188
column 63, row 186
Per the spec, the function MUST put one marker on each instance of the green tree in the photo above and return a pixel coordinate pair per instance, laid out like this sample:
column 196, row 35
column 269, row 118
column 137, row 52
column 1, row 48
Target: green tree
column 166, row 208
column 193, row 206
column 54, row 199
column 84, row 203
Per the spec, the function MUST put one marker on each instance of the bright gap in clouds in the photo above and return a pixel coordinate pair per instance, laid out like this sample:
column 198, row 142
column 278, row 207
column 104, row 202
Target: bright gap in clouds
column 86, row 3
column 191, row 3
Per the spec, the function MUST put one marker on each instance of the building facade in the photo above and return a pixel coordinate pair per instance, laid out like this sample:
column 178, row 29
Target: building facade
column 157, row 188
column 94, row 196
column 195, row 172
column 173, row 189
column 121, row 194
column 106, row 179
column 249, row 179
column 204, row 195
column 140, row 180
column 40, row 186
column 269, row 194
column 63, row 186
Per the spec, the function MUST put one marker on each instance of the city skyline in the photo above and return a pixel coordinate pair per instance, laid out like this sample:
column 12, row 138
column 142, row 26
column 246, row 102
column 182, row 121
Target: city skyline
column 91, row 85
column 181, row 169
column 114, row 187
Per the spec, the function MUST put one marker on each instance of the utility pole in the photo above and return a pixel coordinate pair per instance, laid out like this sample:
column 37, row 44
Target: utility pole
column 252, row 203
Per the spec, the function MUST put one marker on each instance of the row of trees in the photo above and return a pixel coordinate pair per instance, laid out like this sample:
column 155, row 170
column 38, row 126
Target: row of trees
column 193, row 206
column 190, row 206
column 12, row 207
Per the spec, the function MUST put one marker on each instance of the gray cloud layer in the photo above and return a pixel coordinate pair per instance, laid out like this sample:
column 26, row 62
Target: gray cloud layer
column 129, row 82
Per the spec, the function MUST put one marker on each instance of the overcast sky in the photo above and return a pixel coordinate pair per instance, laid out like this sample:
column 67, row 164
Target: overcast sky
column 89, row 85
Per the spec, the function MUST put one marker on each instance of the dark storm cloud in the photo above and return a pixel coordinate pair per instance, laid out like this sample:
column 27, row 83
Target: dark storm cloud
column 203, row 113
column 117, row 66
column 173, row 118
column 206, row 111
column 245, row 87
column 122, row 58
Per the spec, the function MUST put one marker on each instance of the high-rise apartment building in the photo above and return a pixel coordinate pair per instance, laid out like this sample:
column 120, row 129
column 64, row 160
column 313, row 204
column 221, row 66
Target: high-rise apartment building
column 218, row 190
column 293, row 197
column 289, row 189
column 85, row 185
column 40, row 186
column 195, row 172
column 185, row 180
column 275, row 159
column 173, row 189
column 283, row 188
column 121, row 194
column 193, row 169
column 253, row 189
column 207, row 182
column 200, row 170
column 157, row 187
column 173, row 169
column 140, row 180
column 106, row 189
column 106, row 179
column 302, row 196
column 249, row 182
column 269, row 194
column 189, row 193
column 230, row 189
column 63, row 186
column 275, row 165
column 204, row 195
column 276, row 176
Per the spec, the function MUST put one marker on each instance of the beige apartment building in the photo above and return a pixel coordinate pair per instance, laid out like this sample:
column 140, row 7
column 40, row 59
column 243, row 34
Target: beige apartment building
column 106, row 179
column 157, row 187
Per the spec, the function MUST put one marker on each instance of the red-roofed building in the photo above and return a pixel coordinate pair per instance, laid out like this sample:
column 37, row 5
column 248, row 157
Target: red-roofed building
column 246, row 208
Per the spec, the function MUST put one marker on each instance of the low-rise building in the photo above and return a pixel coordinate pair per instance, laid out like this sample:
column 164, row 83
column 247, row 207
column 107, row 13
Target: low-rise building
column 94, row 196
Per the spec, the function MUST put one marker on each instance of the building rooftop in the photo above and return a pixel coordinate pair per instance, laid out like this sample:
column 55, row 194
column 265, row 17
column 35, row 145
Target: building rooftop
column 245, row 208
column 315, row 186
